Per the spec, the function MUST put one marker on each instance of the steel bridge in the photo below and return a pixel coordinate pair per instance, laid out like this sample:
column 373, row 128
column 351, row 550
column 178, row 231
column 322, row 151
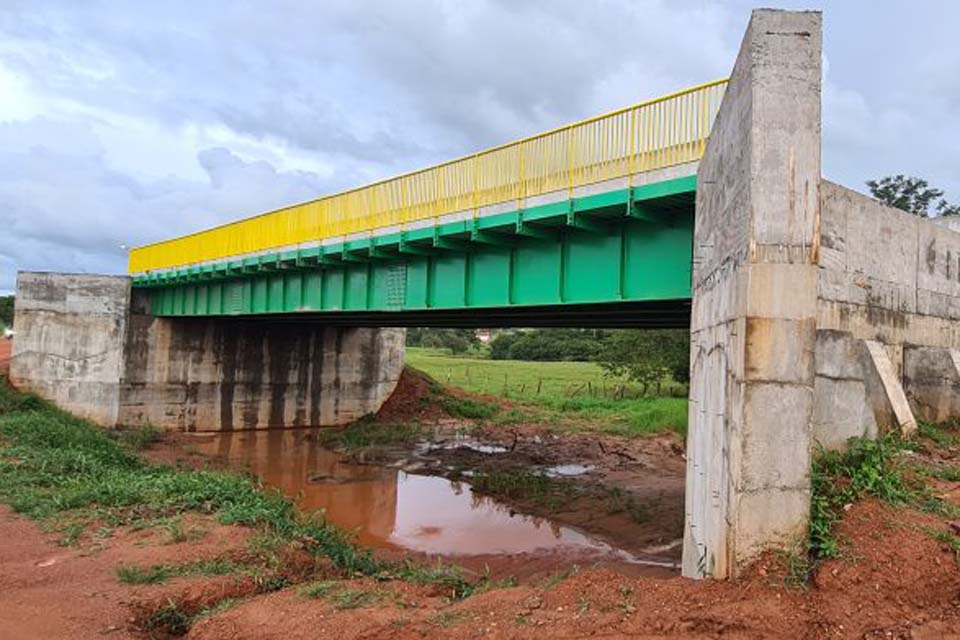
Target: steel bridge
column 590, row 224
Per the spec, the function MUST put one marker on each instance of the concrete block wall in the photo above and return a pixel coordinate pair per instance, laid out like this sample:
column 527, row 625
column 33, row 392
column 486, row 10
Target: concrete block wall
column 89, row 344
column 893, row 279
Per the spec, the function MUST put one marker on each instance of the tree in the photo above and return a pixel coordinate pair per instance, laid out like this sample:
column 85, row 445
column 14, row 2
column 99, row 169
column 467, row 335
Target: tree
column 913, row 195
column 6, row 311
column 648, row 356
column 457, row 340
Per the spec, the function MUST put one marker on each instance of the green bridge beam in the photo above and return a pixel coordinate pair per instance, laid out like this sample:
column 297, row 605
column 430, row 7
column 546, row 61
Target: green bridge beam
column 625, row 246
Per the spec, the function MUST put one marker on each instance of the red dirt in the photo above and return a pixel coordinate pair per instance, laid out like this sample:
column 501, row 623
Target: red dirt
column 412, row 400
column 896, row 582
column 6, row 346
column 50, row 591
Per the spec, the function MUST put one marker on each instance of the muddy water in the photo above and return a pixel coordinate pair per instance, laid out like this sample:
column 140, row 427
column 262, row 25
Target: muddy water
column 389, row 508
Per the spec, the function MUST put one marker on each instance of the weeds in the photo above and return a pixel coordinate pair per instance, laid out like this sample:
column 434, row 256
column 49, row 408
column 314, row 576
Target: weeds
column 160, row 573
column 522, row 485
column 318, row 589
column 839, row 478
column 468, row 408
column 366, row 434
column 138, row 438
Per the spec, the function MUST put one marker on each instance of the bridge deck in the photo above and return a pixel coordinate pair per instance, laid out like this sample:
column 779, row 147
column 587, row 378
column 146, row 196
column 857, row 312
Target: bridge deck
column 597, row 212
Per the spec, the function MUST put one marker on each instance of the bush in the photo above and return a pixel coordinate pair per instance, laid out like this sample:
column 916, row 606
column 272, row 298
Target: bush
column 456, row 340
column 577, row 345
column 648, row 356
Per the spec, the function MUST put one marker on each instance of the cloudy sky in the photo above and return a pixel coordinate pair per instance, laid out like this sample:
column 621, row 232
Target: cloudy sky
column 122, row 123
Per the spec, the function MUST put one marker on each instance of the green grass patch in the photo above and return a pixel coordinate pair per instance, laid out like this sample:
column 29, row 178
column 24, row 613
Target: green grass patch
column 160, row 573
column 138, row 438
column 55, row 466
column 366, row 434
column 575, row 395
column 468, row 408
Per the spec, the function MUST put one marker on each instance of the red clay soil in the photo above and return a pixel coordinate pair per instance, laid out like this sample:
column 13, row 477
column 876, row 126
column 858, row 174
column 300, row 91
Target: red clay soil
column 896, row 582
column 6, row 346
column 50, row 591
column 413, row 400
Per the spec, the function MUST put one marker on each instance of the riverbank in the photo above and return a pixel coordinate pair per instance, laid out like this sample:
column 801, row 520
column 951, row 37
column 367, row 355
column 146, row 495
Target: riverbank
column 101, row 542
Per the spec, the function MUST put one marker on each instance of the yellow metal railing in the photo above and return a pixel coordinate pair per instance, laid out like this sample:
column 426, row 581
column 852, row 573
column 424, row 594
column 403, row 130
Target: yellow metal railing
column 651, row 135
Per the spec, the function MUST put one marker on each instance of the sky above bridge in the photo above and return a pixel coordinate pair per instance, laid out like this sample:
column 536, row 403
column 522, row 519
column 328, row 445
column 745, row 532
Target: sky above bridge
column 122, row 123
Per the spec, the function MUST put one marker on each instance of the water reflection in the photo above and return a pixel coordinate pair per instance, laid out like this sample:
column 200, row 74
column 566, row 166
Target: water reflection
column 388, row 508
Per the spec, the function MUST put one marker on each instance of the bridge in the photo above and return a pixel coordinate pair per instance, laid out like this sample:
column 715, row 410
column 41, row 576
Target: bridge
column 590, row 224
column 816, row 313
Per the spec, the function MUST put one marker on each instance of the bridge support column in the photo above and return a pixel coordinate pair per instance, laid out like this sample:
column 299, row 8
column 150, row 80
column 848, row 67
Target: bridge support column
column 88, row 344
column 753, row 328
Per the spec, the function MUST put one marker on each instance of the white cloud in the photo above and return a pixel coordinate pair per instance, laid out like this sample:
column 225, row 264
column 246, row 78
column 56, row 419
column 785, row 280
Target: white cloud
column 124, row 123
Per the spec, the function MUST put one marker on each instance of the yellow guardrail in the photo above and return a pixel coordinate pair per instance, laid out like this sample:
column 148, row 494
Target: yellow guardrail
column 651, row 135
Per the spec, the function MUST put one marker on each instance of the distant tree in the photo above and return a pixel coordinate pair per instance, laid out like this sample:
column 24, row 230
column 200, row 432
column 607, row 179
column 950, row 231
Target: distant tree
column 501, row 344
column 581, row 345
column 6, row 311
column 648, row 356
column 913, row 195
column 457, row 340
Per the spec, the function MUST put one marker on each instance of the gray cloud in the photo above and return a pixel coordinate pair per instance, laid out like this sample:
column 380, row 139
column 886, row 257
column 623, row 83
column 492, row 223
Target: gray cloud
column 126, row 122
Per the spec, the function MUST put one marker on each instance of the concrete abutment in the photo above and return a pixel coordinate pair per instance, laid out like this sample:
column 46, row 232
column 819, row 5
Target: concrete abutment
column 89, row 344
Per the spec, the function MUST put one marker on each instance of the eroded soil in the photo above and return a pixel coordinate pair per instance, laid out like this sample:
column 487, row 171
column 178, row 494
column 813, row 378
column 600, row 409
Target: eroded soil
column 896, row 582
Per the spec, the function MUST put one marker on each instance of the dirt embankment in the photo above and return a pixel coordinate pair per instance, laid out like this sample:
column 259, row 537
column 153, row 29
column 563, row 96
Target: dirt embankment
column 6, row 346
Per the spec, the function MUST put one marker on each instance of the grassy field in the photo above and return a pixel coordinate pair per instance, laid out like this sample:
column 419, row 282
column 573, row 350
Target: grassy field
column 565, row 393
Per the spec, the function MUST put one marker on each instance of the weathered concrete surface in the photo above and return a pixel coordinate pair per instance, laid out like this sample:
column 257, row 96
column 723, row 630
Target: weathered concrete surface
column 932, row 375
column 69, row 348
column 82, row 344
column 225, row 374
column 755, row 302
column 891, row 280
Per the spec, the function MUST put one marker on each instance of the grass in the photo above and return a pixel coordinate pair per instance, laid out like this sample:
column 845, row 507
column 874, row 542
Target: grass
column 574, row 394
column 54, row 466
column 160, row 573
column 138, row 438
column 866, row 468
column 367, row 434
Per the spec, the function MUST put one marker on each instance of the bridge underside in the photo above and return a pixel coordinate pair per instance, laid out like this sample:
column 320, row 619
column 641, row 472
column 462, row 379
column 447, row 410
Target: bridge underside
column 615, row 258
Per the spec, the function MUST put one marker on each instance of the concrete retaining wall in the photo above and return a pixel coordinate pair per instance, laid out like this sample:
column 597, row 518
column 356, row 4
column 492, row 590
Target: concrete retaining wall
column 894, row 279
column 82, row 344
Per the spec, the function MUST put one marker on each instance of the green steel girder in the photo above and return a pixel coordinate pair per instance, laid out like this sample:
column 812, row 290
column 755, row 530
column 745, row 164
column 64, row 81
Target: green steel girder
column 630, row 245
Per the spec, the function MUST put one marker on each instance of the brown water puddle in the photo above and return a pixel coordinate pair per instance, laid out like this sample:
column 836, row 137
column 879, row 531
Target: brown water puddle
column 390, row 509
